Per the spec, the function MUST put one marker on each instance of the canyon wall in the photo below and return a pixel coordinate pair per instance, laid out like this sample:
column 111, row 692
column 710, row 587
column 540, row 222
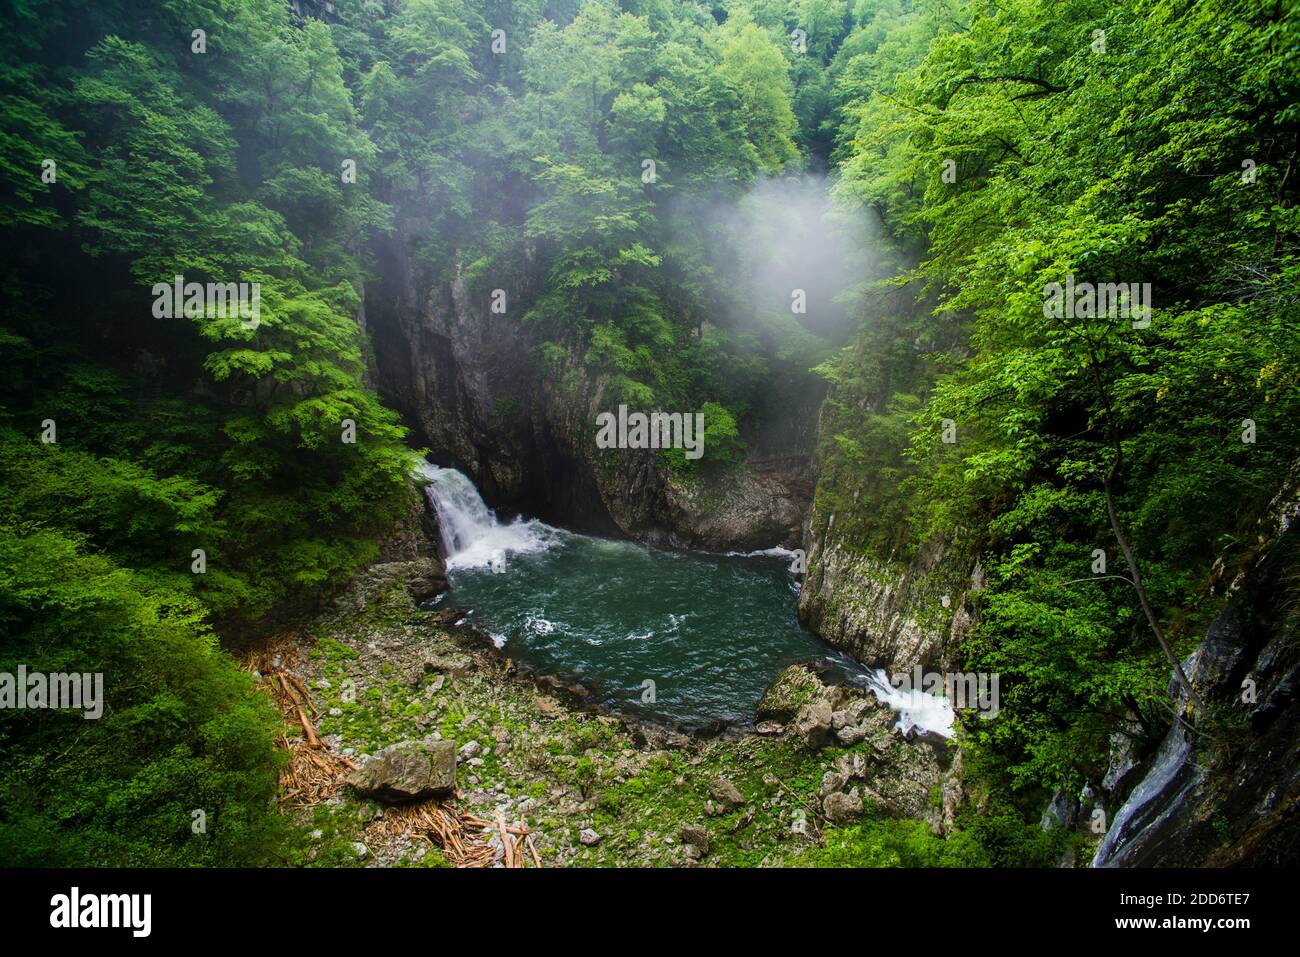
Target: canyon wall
column 484, row 399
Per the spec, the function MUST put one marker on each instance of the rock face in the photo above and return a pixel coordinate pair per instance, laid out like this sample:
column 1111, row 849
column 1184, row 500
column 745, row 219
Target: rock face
column 897, row 776
column 1230, row 794
column 409, row 771
column 892, row 615
column 523, row 425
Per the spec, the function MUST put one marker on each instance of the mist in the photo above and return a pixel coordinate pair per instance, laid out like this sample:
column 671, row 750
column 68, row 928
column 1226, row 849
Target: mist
column 782, row 236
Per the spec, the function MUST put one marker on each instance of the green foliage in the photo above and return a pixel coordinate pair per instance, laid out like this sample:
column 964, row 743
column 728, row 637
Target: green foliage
column 904, row 843
column 1114, row 162
column 182, row 728
column 174, row 434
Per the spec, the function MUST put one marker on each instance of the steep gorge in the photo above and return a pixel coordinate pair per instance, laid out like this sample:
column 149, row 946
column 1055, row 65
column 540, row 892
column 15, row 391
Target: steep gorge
column 476, row 388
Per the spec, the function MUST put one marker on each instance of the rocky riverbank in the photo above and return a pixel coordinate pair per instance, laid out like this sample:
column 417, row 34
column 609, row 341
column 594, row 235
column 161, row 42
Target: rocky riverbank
column 593, row 789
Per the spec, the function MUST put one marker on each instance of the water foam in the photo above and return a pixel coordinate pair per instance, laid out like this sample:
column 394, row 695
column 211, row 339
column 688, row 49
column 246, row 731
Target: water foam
column 916, row 709
column 472, row 536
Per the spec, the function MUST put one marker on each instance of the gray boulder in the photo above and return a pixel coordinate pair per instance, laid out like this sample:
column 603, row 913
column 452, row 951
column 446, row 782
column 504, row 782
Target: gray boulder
column 408, row 771
column 833, row 781
column 812, row 726
column 725, row 793
column 840, row 808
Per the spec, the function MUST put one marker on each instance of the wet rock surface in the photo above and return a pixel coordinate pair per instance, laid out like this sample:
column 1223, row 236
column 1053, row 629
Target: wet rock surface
column 471, row 382
column 894, row 614
column 1226, row 792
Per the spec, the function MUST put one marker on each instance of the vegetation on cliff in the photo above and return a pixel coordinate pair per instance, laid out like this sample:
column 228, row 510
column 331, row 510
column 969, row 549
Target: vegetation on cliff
column 1014, row 145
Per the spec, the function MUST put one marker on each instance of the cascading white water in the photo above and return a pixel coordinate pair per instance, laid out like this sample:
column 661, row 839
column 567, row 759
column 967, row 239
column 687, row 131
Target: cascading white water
column 463, row 516
column 916, row 708
column 472, row 536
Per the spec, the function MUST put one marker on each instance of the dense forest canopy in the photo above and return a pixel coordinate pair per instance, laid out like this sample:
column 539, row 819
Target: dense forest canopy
column 994, row 147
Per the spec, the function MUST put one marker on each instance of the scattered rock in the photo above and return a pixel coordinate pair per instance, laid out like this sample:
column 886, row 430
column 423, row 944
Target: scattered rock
column 841, row 808
column 724, row 792
column 469, row 750
column 549, row 706
column 851, row 766
column 696, row 836
column 362, row 851
column 589, row 837
column 408, row 771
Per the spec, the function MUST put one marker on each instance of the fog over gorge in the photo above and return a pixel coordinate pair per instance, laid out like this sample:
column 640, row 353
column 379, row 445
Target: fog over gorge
column 785, row 234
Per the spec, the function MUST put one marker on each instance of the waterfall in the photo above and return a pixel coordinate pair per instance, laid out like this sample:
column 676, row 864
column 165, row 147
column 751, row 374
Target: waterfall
column 463, row 516
column 472, row 536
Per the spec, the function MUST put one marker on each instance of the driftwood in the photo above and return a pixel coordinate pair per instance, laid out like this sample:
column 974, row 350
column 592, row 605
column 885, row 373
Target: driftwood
column 528, row 839
column 462, row 836
column 315, row 772
column 507, row 842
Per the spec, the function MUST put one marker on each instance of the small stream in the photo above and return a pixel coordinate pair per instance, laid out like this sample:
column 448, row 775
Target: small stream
column 687, row 639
